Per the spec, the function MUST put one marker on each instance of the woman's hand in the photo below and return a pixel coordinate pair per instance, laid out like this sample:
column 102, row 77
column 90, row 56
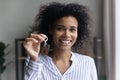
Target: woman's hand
column 32, row 45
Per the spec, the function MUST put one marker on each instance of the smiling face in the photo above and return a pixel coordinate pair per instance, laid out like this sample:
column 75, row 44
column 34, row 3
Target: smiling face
column 65, row 33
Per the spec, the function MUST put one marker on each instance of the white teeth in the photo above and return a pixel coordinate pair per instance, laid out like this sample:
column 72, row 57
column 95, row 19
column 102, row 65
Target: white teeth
column 66, row 42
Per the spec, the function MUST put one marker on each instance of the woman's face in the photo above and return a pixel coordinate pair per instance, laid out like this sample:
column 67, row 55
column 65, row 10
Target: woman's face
column 65, row 33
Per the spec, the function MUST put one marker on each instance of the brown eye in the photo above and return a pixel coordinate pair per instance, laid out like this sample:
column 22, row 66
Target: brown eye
column 59, row 28
column 73, row 29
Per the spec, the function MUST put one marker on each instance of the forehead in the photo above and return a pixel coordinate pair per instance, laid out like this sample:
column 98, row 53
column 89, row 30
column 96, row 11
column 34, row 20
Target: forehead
column 67, row 20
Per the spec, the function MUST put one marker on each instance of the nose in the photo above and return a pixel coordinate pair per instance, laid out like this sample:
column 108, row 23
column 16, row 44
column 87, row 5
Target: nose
column 66, row 33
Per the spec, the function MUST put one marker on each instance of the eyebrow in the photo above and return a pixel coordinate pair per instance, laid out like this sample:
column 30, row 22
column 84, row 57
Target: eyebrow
column 63, row 26
column 73, row 27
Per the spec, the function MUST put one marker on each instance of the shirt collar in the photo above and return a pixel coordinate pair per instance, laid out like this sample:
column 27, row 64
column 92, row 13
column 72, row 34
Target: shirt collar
column 72, row 57
column 47, row 58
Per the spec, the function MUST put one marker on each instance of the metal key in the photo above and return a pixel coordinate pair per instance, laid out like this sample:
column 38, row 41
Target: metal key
column 45, row 42
column 45, row 48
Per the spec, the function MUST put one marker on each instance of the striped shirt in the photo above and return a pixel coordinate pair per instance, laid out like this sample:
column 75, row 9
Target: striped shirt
column 82, row 68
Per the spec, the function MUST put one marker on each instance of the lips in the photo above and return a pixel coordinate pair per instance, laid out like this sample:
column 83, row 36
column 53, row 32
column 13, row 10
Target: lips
column 65, row 42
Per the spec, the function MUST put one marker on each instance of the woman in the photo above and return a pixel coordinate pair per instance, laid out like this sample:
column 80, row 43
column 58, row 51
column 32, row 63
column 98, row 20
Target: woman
column 66, row 26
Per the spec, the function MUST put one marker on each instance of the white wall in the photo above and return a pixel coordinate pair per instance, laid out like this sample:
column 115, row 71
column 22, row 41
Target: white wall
column 117, row 38
column 17, row 15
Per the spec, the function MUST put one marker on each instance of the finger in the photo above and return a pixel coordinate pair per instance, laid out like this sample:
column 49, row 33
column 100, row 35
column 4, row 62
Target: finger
column 43, row 35
column 31, row 39
column 39, row 37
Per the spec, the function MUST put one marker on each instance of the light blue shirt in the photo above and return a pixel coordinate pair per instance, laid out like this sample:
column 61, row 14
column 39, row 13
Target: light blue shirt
column 82, row 68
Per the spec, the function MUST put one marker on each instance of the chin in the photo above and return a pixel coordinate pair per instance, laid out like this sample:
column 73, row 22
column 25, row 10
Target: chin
column 64, row 48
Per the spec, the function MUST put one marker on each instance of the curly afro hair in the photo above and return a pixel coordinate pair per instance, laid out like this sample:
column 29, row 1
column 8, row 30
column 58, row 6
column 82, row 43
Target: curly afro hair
column 48, row 14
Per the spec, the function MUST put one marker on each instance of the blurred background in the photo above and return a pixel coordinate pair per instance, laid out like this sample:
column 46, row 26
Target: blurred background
column 17, row 21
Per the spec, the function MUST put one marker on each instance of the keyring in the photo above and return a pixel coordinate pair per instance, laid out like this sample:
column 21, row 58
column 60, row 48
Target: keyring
column 45, row 48
column 45, row 42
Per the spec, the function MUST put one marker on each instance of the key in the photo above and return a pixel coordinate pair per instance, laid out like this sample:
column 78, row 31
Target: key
column 45, row 42
column 45, row 48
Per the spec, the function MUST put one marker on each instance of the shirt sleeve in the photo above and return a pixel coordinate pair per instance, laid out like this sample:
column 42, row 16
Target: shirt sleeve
column 94, row 75
column 32, row 70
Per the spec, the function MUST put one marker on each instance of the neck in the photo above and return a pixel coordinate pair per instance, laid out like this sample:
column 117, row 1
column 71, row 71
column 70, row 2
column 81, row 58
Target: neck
column 61, row 55
column 61, row 59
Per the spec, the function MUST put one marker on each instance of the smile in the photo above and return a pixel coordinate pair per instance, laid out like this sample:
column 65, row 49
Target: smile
column 65, row 42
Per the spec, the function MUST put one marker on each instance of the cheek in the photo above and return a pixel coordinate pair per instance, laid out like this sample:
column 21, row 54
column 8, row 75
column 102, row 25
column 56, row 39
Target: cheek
column 57, row 34
column 55, row 37
column 75, row 36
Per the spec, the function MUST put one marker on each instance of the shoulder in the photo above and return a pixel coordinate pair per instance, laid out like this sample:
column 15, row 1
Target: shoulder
column 82, row 58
